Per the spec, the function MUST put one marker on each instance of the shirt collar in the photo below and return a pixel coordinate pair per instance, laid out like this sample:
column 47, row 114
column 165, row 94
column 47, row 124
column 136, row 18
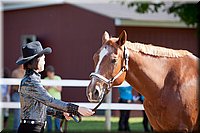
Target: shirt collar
column 33, row 72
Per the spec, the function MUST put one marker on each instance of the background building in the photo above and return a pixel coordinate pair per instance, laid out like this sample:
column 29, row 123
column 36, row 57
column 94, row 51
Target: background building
column 74, row 31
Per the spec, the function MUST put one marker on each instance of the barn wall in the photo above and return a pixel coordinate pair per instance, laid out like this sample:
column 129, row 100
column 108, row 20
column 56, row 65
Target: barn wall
column 74, row 35
column 176, row 38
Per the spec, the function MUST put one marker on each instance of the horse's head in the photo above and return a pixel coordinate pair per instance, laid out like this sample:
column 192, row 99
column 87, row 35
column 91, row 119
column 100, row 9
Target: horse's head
column 111, row 63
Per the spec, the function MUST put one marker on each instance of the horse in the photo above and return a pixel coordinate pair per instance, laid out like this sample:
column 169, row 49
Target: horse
column 167, row 78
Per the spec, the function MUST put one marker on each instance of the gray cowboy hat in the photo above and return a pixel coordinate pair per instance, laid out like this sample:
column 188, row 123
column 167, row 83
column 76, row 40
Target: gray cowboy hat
column 31, row 50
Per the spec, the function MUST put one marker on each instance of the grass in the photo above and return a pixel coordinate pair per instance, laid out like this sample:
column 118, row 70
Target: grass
column 97, row 123
column 94, row 123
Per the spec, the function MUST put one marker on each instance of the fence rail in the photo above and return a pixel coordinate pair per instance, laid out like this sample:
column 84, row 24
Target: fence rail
column 75, row 83
column 64, row 82
column 104, row 106
column 71, row 83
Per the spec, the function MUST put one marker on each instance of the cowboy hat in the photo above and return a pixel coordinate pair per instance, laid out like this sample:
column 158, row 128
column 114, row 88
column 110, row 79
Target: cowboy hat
column 31, row 50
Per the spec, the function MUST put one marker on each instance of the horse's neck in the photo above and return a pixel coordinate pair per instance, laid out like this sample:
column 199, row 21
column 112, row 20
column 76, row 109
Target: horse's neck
column 146, row 74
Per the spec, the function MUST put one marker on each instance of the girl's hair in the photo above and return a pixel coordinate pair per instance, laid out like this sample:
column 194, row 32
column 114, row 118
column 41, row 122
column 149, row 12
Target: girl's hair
column 32, row 64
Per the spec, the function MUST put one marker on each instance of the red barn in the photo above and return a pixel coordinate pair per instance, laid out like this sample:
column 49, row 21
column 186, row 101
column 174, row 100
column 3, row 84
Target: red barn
column 74, row 30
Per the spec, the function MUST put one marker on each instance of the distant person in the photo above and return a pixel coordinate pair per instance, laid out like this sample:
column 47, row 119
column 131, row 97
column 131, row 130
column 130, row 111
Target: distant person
column 126, row 96
column 54, row 91
column 5, row 89
column 17, row 73
column 145, row 118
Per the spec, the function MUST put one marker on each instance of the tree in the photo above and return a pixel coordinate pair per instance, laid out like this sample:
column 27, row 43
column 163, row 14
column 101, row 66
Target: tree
column 188, row 12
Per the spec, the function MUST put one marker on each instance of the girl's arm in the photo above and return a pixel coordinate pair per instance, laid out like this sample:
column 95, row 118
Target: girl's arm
column 55, row 113
column 38, row 92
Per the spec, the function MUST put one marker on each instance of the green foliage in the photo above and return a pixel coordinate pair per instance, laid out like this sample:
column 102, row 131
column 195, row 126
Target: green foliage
column 186, row 11
column 145, row 7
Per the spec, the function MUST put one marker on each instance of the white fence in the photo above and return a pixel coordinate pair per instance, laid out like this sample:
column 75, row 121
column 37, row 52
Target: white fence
column 103, row 106
column 75, row 83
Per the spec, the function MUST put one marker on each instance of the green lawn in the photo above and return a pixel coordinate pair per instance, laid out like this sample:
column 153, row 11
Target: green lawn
column 95, row 123
column 98, row 124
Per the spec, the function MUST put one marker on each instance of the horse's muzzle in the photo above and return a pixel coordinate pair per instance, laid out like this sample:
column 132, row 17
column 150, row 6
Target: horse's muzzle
column 95, row 95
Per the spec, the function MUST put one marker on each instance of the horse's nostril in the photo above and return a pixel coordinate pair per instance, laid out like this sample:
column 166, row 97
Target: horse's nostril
column 96, row 93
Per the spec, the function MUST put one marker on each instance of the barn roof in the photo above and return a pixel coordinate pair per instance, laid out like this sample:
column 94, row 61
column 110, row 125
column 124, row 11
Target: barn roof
column 110, row 8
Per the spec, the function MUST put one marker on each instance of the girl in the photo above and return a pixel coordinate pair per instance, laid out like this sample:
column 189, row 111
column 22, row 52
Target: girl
column 34, row 98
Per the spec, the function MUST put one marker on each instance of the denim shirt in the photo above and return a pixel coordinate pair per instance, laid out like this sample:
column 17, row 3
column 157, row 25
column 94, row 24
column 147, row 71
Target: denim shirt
column 34, row 98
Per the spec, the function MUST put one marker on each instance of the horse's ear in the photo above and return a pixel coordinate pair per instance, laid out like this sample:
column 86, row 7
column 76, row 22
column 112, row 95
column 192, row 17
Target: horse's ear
column 122, row 38
column 105, row 37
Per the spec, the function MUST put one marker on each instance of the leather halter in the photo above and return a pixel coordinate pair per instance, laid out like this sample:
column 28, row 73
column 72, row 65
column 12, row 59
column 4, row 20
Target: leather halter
column 109, row 82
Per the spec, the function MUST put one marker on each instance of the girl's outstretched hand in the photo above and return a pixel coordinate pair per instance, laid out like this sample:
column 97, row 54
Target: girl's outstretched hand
column 85, row 111
column 82, row 110
column 67, row 117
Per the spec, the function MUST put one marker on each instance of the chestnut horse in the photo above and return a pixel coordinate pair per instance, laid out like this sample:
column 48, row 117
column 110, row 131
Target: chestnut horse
column 167, row 79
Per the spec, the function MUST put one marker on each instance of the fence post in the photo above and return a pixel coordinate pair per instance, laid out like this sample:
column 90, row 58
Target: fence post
column 108, row 111
column 1, row 62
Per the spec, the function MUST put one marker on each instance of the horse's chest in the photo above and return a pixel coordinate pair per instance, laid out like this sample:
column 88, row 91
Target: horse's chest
column 159, row 116
column 166, row 112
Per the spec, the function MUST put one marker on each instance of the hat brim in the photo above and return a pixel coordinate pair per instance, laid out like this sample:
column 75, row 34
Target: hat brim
column 45, row 51
column 22, row 60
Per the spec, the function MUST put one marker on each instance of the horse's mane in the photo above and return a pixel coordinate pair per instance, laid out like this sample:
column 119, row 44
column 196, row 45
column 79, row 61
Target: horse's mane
column 156, row 50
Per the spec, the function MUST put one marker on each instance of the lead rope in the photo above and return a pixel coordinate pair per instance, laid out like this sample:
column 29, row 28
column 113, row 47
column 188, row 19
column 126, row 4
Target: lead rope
column 96, row 107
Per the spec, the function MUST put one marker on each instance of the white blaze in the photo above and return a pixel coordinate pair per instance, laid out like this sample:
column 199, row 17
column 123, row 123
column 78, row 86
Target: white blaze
column 103, row 52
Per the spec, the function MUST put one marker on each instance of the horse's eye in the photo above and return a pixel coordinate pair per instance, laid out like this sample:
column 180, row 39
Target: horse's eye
column 114, row 60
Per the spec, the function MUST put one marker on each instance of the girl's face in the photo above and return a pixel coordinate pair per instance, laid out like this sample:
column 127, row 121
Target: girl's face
column 41, row 63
